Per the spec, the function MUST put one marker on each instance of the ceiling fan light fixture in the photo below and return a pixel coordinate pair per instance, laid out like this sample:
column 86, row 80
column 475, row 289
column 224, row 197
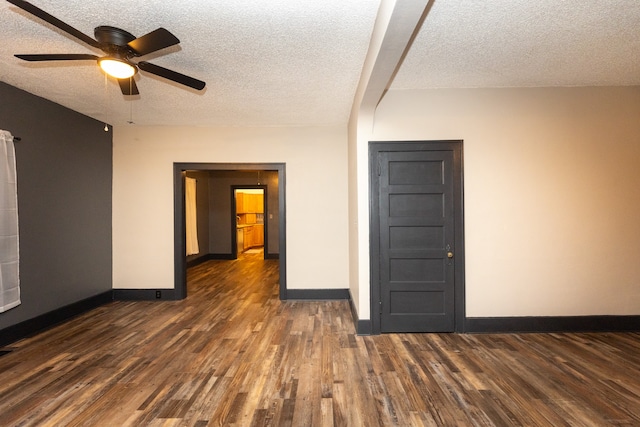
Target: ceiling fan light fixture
column 119, row 47
column 117, row 68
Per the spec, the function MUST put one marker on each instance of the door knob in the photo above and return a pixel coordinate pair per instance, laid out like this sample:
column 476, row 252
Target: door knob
column 449, row 254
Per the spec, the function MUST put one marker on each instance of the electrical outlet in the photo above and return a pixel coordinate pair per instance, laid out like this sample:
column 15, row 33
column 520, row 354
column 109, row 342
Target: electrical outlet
column 158, row 294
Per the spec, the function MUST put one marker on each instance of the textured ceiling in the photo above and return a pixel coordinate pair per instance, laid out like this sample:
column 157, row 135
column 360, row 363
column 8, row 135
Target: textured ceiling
column 523, row 43
column 298, row 62
column 276, row 62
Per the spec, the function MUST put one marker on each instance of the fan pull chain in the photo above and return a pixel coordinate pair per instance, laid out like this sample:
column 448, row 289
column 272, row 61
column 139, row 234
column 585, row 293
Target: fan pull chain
column 130, row 102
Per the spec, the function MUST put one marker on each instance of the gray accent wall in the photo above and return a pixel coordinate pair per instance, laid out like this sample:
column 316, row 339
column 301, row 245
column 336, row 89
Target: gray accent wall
column 220, row 184
column 64, row 164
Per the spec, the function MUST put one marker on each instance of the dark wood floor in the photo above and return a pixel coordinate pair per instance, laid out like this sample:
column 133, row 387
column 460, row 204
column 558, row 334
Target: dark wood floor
column 233, row 354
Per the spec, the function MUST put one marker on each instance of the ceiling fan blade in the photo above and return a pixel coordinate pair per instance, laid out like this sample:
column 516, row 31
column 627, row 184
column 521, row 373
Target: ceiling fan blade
column 153, row 41
column 171, row 75
column 128, row 86
column 57, row 57
column 28, row 7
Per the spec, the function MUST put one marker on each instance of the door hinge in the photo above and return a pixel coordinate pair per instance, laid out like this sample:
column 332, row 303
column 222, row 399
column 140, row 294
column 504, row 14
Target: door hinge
column 379, row 166
column 380, row 305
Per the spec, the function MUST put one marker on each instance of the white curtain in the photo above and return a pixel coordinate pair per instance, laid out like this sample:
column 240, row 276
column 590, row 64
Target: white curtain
column 191, row 218
column 9, row 277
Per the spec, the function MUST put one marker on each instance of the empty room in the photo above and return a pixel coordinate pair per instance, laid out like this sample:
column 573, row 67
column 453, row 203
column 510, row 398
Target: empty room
column 337, row 213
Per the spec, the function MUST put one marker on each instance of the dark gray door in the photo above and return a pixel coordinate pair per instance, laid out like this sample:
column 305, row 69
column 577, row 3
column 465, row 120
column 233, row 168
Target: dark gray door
column 416, row 238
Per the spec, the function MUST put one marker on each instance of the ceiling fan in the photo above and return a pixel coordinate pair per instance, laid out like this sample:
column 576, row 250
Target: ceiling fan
column 120, row 48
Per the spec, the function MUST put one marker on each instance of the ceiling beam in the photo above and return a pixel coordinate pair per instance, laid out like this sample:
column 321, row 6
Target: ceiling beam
column 397, row 24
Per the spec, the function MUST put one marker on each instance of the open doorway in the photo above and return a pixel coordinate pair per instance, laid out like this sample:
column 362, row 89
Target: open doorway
column 250, row 204
column 222, row 180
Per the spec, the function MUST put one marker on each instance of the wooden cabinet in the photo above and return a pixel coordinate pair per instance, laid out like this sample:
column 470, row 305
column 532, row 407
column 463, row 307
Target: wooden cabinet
column 253, row 236
column 248, row 238
column 256, row 204
column 240, row 202
column 258, row 235
column 249, row 203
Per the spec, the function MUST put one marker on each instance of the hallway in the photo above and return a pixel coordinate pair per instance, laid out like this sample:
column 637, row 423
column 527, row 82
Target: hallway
column 233, row 354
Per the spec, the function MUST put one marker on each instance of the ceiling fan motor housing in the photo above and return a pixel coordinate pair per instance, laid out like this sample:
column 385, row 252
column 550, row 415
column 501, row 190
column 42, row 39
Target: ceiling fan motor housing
column 112, row 35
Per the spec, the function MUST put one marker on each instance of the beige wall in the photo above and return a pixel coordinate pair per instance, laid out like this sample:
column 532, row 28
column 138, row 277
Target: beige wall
column 552, row 193
column 316, row 197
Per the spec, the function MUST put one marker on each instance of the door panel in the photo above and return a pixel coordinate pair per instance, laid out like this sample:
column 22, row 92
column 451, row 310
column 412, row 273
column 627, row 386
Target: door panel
column 415, row 205
column 416, row 234
column 415, row 172
column 416, row 237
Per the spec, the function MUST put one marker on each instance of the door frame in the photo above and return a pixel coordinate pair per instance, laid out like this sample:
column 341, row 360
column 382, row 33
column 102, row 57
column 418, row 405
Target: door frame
column 376, row 147
column 234, row 234
column 179, row 241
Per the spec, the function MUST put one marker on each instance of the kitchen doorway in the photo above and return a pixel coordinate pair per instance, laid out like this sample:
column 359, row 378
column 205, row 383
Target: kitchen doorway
column 224, row 246
column 251, row 231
